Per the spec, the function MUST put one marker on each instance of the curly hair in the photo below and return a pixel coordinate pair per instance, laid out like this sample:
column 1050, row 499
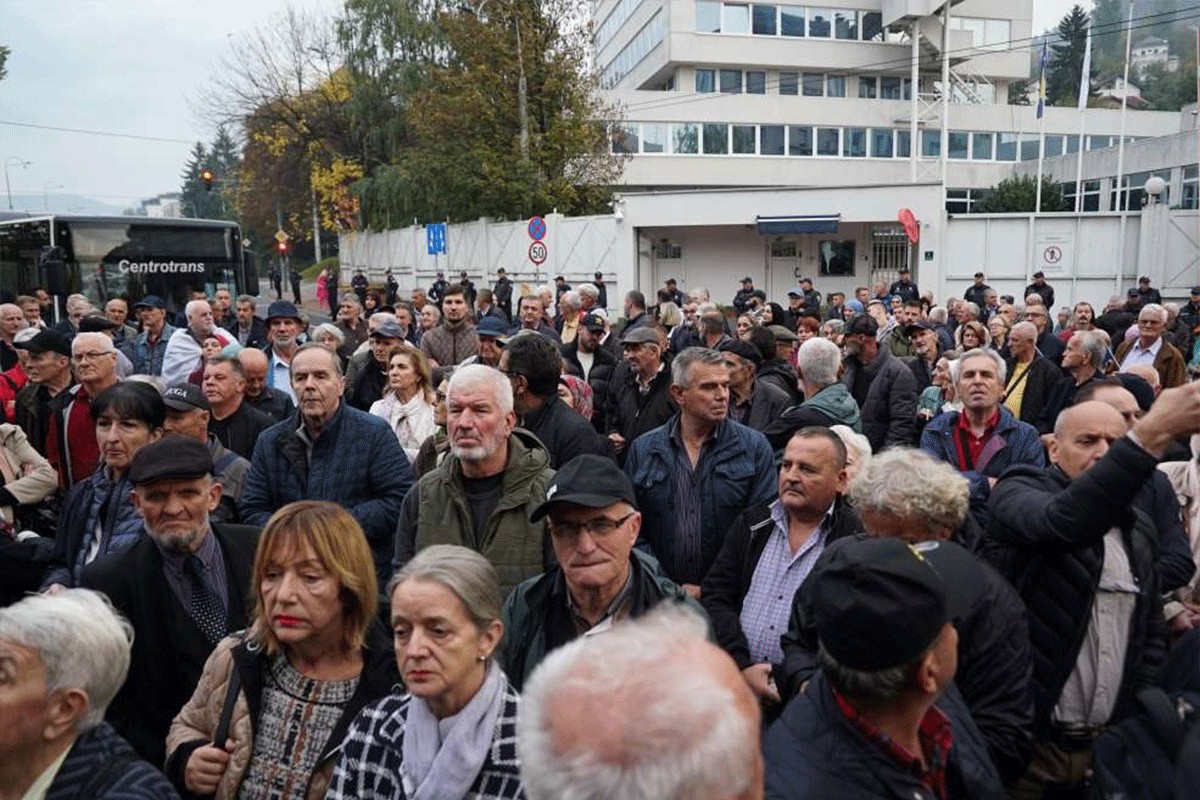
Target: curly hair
column 909, row 483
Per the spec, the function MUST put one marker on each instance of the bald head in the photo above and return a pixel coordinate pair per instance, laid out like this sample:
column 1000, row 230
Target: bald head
column 254, row 364
column 12, row 319
column 1082, row 435
column 1120, row 400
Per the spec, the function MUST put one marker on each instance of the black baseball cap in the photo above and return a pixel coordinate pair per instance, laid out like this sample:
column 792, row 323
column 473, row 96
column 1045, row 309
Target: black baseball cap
column 1132, row 293
column 170, row 458
column 920, row 325
column 47, row 341
column 1039, row 274
column 587, row 480
column 1196, row 290
column 593, row 322
column 95, row 323
column 747, row 279
column 877, row 603
column 185, row 397
column 500, row 271
column 150, row 301
column 1143, row 279
column 863, row 323
column 741, row 347
column 599, row 276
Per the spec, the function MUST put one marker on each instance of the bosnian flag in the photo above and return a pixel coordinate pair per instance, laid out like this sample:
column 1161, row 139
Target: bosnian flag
column 1041, row 106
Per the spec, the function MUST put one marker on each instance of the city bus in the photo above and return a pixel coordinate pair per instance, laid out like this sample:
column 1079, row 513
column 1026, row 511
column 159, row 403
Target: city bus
column 130, row 257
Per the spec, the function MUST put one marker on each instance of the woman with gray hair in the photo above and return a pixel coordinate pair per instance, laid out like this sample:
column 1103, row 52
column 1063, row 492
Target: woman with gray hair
column 451, row 736
column 65, row 657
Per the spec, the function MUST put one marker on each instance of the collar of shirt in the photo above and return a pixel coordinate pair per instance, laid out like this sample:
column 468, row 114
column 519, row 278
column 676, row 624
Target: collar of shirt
column 935, row 736
column 645, row 387
column 614, row 610
column 676, row 437
column 41, row 786
column 1152, row 349
column 779, row 516
column 988, row 428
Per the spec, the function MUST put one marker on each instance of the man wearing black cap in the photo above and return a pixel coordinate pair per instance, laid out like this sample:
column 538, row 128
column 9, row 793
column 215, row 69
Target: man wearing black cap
column 977, row 292
column 1189, row 314
column 437, row 290
column 639, row 397
column 188, row 416
column 1147, row 294
column 492, row 336
column 148, row 348
column 752, row 402
column 602, row 287
column 183, row 587
column 905, row 288
column 359, row 285
column 741, row 300
column 593, row 363
column 49, row 369
column 1041, row 288
column 883, row 387
column 502, row 292
column 468, row 287
column 285, row 325
column 599, row 579
column 882, row 719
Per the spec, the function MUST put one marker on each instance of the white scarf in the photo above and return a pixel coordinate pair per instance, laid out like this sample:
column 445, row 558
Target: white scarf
column 442, row 758
column 412, row 422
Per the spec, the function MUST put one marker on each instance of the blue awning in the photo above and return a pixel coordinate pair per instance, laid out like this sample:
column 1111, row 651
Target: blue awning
column 801, row 223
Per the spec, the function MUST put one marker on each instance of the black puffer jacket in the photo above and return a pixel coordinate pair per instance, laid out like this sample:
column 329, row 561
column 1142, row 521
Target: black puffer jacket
column 889, row 410
column 563, row 431
column 603, row 364
column 1046, row 535
column 630, row 413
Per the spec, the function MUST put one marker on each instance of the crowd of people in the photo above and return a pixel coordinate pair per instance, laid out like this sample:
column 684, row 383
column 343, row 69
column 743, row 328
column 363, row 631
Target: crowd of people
column 506, row 543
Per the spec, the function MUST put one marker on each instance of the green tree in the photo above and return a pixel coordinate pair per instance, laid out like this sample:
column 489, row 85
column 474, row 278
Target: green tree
column 1019, row 195
column 1018, row 93
column 195, row 200
column 1169, row 91
column 4, row 53
column 1066, row 59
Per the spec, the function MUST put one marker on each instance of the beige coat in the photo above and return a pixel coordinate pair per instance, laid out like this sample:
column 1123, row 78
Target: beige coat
column 35, row 478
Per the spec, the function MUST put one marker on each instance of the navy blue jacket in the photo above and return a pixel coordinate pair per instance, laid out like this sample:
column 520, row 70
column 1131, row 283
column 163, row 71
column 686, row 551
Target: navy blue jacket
column 356, row 462
column 738, row 473
column 102, row 766
column 814, row 752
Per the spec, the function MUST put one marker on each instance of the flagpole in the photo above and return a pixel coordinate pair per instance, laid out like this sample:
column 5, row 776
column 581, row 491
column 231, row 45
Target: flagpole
column 1085, row 89
column 1041, row 114
column 1123, row 207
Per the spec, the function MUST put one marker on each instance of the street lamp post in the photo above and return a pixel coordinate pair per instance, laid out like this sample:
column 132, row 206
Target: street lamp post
column 46, row 194
column 7, row 186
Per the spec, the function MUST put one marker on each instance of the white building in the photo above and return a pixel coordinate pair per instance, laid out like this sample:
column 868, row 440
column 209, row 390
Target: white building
column 1150, row 51
column 781, row 140
column 165, row 205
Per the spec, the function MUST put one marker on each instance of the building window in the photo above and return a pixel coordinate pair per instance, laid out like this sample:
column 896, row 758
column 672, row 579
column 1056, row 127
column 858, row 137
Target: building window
column 735, row 18
column 731, row 81
column 1029, row 148
column 872, row 26
column 789, row 83
column 708, row 16
column 855, row 144
column 624, row 138
column 1054, row 145
column 1006, row 147
column 835, row 86
column 903, row 144
column 685, row 138
column 881, row 142
column 845, row 25
column 837, row 258
column 756, row 82
column 654, row 137
column 666, row 250
column 706, row 81
column 1091, row 195
column 931, row 144
column 1133, row 196
column 963, row 201
column 648, row 38
column 981, row 146
column 828, row 141
column 770, row 140
column 958, row 144
column 744, row 139
column 820, row 23
column 1191, row 180
column 800, row 140
column 764, row 20
column 1073, row 144
column 791, row 21
column 868, row 87
column 616, row 19
column 891, row 88
column 783, row 249
column 814, row 85
column 716, row 139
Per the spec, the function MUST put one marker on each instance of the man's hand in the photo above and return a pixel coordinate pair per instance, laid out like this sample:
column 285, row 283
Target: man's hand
column 618, row 442
column 54, row 588
column 758, row 678
column 693, row 590
column 205, row 766
column 1175, row 413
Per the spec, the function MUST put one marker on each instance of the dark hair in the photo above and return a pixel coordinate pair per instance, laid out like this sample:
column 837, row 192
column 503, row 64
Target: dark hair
column 232, row 361
column 764, row 340
column 454, row 288
column 778, row 315
column 636, row 299
column 131, row 400
column 712, row 322
column 665, row 296
column 1088, row 391
column 913, row 304
column 822, row 432
column 538, row 359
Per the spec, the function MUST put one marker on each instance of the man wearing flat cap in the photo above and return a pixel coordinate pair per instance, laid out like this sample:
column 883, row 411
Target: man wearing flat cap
column 639, row 398
column 599, row 578
column 149, row 347
column 882, row 719
column 752, row 402
column 183, row 587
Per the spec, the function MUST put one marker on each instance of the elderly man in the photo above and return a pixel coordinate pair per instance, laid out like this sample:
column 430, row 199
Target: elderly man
column 64, row 658
column 184, row 586
column 11, row 321
column 689, row 727
column 491, row 332
column 430, row 318
column 770, row 550
column 636, row 317
column 78, row 307
column 482, row 494
column 1083, row 559
column 49, row 370
column 1032, row 379
column 250, row 330
column 234, row 422
column 529, row 311
column 455, row 339
column 828, row 401
column 984, row 439
column 1048, row 345
column 329, row 451
column 1083, row 360
column 184, row 351
column 274, row 402
column 599, row 579
column 570, row 311
column 1150, row 348
column 285, row 325
column 753, row 403
column 148, row 349
column 882, row 719
column 32, row 310
column 883, row 387
column 370, row 381
column 696, row 473
column 351, row 323
column 906, row 494
column 71, row 446
column 779, row 356
column 533, row 365
column 593, row 363
column 926, row 352
column 188, row 416
column 117, row 310
column 639, row 398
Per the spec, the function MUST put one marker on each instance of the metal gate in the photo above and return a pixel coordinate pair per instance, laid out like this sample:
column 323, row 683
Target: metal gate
column 890, row 250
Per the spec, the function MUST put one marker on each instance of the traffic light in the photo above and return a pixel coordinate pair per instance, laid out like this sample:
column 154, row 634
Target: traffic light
column 206, row 175
column 282, row 247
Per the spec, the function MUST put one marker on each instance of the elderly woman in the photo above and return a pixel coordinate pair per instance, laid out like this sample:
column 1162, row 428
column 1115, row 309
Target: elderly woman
column 834, row 330
column 332, row 338
column 26, row 477
column 858, row 449
column 98, row 516
column 313, row 658
column 939, row 397
column 745, row 323
column 408, row 404
column 577, row 393
column 27, row 482
column 669, row 316
column 450, row 737
column 998, row 327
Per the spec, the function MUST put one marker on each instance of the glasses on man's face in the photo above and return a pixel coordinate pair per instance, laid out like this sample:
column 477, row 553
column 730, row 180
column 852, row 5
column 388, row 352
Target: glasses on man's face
column 600, row 526
column 92, row 356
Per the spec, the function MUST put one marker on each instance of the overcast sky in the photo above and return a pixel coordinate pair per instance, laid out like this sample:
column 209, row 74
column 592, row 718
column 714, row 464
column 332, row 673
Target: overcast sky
column 131, row 66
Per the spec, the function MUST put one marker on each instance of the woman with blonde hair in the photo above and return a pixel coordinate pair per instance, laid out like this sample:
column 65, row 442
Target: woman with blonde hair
column 408, row 404
column 274, row 702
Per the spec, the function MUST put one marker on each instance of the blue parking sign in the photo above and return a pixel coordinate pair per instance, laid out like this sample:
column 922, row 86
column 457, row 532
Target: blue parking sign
column 435, row 238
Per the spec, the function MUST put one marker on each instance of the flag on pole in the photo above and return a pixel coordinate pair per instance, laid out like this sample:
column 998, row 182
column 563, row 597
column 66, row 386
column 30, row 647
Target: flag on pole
column 1041, row 106
column 1085, row 76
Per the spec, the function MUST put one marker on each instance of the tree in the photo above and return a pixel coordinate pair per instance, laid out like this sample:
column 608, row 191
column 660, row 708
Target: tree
column 1019, row 195
column 195, row 200
column 4, row 54
column 1066, row 59
column 1018, row 93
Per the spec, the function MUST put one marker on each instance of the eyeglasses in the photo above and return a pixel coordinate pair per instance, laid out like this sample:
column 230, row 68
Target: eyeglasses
column 93, row 355
column 600, row 526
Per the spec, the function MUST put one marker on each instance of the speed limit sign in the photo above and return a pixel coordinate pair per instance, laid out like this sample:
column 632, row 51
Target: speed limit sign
column 538, row 252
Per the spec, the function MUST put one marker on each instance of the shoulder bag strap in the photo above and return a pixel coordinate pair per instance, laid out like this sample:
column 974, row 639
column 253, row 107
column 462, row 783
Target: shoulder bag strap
column 221, row 734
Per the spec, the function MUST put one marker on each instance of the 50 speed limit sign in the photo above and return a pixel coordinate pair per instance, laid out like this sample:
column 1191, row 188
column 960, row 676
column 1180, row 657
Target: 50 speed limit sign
column 538, row 252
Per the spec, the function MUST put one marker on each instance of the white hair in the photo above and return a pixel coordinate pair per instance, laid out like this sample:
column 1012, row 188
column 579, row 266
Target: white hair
column 481, row 374
column 76, row 300
column 937, row 315
column 1153, row 308
column 681, row 733
column 81, row 640
column 572, row 299
column 855, row 441
column 818, row 361
column 25, row 334
column 588, row 290
column 956, row 364
column 193, row 305
column 331, row 329
column 1024, row 327
column 102, row 341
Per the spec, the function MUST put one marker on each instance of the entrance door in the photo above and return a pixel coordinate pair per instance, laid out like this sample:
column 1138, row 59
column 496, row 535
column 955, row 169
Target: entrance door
column 890, row 250
column 783, row 268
